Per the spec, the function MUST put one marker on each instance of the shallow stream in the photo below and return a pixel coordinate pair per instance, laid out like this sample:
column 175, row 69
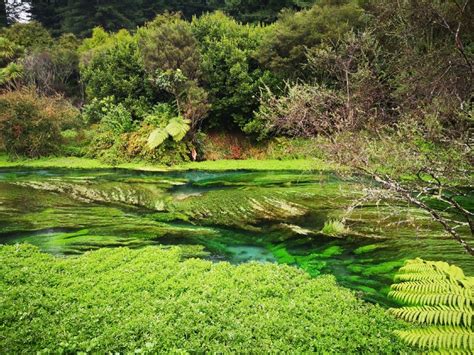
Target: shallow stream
column 238, row 216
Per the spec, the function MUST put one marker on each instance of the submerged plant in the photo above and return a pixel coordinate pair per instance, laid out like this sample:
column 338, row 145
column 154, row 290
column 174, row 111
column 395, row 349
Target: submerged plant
column 334, row 228
column 439, row 296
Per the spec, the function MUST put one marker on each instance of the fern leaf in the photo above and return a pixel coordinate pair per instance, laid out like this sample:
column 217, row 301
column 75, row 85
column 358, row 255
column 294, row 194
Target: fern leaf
column 156, row 138
column 439, row 337
column 435, row 315
column 439, row 295
column 178, row 127
column 432, row 287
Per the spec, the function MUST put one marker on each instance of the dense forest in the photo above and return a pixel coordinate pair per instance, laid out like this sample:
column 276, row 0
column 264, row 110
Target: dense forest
column 379, row 89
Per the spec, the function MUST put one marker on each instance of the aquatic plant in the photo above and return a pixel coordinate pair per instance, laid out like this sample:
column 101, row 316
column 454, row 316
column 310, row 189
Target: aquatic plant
column 439, row 296
column 334, row 228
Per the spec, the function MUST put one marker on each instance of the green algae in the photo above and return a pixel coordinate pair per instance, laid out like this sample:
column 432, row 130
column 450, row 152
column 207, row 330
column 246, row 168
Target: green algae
column 331, row 251
column 368, row 248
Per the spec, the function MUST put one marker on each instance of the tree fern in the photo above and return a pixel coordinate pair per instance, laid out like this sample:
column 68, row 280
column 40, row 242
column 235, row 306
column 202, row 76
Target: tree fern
column 156, row 138
column 178, row 127
column 439, row 295
column 436, row 315
column 439, row 338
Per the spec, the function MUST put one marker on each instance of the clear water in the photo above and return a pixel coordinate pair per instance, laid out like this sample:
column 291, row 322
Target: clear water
column 237, row 216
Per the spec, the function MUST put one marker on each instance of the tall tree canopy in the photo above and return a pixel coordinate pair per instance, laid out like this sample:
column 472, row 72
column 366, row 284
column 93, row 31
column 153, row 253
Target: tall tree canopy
column 81, row 16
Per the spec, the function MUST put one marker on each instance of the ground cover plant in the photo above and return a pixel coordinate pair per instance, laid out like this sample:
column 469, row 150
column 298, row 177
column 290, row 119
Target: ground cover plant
column 150, row 300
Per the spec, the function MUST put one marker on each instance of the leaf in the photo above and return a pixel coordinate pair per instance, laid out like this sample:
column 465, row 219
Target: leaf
column 440, row 295
column 156, row 138
column 178, row 127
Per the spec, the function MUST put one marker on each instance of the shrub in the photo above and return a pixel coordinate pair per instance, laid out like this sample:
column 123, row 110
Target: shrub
column 30, row 124
column 149, row 300
column 117, row 119
column 232, row 75
column 32, row 35
column 54, row 70
column 284, row 46
column 305, row 111
column 111, row 66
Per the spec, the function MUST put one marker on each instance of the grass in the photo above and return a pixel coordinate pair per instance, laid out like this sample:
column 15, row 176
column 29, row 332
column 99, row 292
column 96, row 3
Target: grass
column 218, row 165
column 150, row 300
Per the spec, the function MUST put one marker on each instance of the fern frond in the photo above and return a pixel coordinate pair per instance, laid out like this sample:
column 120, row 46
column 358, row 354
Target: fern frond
column 440, row 295
column 435, row 315
column 439, row 337
column 178, row 127
column 432, row 287
column 420, row 276
column 430, row 299
column 156, row 138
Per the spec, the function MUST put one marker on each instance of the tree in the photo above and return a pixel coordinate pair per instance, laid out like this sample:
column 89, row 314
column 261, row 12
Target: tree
column 429, row 47
column 112, row 66
column 32, row 35
column 232, row 76
column 167, row 43
column 3, row 14
column 283, row 49
column 173, row 63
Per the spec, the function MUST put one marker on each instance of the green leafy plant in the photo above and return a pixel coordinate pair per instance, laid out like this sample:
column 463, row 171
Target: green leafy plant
column 176, row 128
column 439, row 296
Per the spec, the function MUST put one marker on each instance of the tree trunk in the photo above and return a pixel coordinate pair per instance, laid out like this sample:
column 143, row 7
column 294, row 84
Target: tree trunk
column 3, row 14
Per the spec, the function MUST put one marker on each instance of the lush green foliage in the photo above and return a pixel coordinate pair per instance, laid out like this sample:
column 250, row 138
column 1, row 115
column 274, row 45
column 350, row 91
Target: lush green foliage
column 81, row 16
column 284, row 47
column 334, row 228
column 30, row 124
column 232, row 75
column 438, row 295
column 111, row 66
column 123, row 300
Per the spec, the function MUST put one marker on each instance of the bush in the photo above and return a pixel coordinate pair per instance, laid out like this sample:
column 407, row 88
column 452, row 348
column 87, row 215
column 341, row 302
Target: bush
column 305, row 111
column 30, row 124
column 233, row 77
column 31, row 36
column 285, row 44
column 54, row 70
column 149, row 300
column 111, row 66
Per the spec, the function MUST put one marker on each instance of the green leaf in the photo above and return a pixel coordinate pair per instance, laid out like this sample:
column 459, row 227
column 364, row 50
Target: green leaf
column 156, row 138
column 178, row 127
